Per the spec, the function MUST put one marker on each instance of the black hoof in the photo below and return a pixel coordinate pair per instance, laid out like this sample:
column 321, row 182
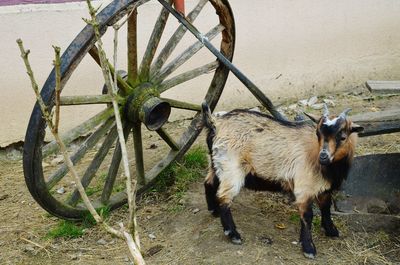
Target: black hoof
column 309, row 250
column 331, row 231
column 234, row 236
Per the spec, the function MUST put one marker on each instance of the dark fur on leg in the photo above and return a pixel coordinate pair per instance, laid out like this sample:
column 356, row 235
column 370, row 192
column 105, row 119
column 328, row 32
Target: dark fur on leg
column 306, row 216
column 211, row 196
column 324, row 203
column 229, row 226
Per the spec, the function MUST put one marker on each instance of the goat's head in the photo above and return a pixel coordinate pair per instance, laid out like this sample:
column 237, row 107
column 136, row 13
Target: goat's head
column 333, row 134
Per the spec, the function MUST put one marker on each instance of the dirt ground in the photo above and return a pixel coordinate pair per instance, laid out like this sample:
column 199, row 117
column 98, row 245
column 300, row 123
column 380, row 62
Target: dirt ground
column 188, row 234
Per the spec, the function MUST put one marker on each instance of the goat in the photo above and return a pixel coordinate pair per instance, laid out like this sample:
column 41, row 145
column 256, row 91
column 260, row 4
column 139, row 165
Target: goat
column 255, row 150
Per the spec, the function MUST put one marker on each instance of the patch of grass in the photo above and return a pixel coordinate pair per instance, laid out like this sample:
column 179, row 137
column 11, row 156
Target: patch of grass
column 89, row 221
column 180, row 174
column 176, row 178
column 65, row 229
column 316, row 222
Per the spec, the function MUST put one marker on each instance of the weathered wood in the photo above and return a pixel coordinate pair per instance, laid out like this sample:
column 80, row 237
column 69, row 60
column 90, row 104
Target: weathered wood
column 182, row 105
column 186, row 55
column 175, row 39
column 132, row 48
column 153, row 44
column 137, row 144
column 181, row 78
column 113, row 169
column 384, row 87
column 78, row 131
column 94, row 165
column 376, row 123
column 168, row 139
column 122, row 84
column 85, row 100
column 78, row 154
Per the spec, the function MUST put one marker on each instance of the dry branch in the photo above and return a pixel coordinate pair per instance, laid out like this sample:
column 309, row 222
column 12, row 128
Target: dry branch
column 134, row 245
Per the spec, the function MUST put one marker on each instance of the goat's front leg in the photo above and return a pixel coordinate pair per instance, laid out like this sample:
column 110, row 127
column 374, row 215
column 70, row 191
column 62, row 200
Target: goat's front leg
column 324, row 202
column 306, row 216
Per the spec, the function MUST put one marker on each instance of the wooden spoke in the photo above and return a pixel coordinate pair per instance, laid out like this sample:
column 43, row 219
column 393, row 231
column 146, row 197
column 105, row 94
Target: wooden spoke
column 186, row 55
column 85, row 100
column 137, row 142
column 122, row 84
column 75, row 157
column 182, row 105
column 95, row 164
column 175, row 39
column 167, row 138
column 132, row 48
column 181, row 78
column 113, row 169
column 153, row 43
column 80, row 130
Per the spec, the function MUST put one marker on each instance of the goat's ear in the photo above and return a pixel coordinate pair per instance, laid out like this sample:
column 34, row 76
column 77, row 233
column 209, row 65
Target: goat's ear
column 312, row 117
column 356, row 128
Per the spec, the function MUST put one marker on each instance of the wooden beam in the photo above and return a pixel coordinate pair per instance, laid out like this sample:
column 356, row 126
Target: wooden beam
column 384, row 87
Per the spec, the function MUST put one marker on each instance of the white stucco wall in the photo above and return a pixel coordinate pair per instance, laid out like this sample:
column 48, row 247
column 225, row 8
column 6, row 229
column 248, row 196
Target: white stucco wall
column 289, row 48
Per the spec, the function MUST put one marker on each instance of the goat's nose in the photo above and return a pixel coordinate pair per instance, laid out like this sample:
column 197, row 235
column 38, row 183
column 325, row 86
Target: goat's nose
column 324, row 157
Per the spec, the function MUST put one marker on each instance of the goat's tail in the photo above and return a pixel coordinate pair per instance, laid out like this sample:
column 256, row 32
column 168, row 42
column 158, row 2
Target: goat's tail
column 209, row 123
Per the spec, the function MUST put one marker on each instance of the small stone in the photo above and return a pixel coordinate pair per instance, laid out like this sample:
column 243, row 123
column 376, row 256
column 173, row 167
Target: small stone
column 329, row 102
column 101, row 242
column 295, row 242
column 312, row 101
column 292, row 107
column 61, row 190
column 266, row 240
column 29, row 249
column 153, row 250
column 57, row 160
column 303, row 102
column 126, row 259
column 152, row 236
column 196, row 210
column 239, row 252
column 153, row 146
column 74, row 257
column 317, row 106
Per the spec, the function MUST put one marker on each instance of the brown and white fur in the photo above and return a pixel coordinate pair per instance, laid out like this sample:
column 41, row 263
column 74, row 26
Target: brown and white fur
column 257, row 151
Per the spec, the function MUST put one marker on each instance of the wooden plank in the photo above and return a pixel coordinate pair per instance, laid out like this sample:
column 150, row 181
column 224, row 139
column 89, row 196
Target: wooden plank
column 384, row 87
column 377, row 123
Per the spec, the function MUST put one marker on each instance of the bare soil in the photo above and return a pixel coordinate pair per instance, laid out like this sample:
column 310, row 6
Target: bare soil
column 185, row 233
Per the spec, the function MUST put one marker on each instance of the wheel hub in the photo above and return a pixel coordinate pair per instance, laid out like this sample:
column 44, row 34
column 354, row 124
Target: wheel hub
column 145, row 105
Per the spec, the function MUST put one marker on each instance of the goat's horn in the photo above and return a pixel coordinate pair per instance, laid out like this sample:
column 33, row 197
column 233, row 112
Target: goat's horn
column 326, row 111
column 345, row 112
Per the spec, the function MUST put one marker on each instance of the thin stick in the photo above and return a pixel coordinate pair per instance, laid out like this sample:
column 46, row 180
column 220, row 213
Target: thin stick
column 36, row 244
column 57, row 66
column 112, row 89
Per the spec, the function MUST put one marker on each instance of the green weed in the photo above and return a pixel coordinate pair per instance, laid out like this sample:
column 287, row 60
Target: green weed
column 65, row 229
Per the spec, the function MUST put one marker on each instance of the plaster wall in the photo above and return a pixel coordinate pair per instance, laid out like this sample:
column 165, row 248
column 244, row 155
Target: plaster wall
column 289, row 48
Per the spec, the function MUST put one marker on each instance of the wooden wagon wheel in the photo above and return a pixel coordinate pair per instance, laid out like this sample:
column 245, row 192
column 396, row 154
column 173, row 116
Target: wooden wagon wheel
column 142, row 102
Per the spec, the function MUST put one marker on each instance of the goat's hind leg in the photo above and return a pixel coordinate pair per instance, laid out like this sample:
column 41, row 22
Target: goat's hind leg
column 324, row 201
column 211, row 185
column 229, row 187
